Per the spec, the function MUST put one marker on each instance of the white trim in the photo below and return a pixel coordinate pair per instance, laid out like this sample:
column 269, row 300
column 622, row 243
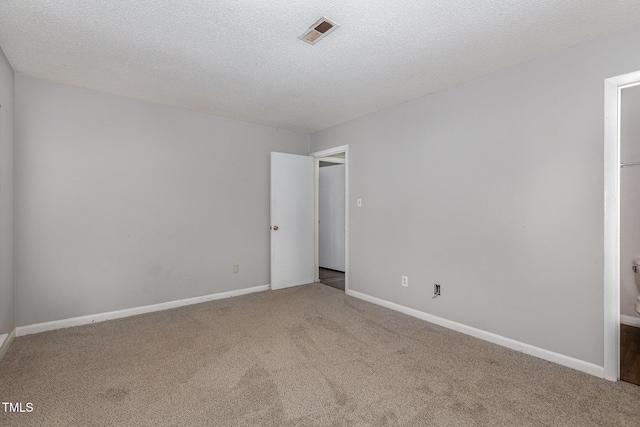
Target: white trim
column 5, row 342
column 101, row 317
column 611, row 280
column 630, row 320
column 541, row 353
column 328, row 153
column 331, row 151
column 316, row 220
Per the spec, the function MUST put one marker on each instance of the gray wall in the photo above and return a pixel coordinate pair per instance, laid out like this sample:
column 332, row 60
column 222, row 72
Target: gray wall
column 6, row 195
column 331, row 216
column 493, row 189
column 122, row 203
column 629, row 198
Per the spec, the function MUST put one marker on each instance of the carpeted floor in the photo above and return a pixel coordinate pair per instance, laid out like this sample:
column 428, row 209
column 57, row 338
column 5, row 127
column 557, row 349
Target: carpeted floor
column 307, row 356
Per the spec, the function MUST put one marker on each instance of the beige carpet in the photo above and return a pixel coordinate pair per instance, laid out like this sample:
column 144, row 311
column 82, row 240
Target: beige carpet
column 307, row 356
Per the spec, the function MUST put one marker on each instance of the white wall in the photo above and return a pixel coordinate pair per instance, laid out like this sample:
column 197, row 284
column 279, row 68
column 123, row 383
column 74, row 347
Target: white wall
column 123, row 203
column 331, row 213
column 493, row 189
column 6, row 195
column 629, row 198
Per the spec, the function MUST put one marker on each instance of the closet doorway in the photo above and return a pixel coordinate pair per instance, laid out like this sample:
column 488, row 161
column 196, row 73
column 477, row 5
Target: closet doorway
column 331, row 218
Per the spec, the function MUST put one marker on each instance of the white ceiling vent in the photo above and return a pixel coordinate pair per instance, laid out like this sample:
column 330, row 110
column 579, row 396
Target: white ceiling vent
column 317, row 31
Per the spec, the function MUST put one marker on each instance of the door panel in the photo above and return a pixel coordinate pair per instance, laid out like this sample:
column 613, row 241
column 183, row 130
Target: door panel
column 292, row 220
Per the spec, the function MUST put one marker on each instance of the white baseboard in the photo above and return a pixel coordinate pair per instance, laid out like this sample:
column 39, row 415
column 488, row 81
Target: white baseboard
column 5, row 342
column 630, row 320
column 551, row 356
column 101, row 317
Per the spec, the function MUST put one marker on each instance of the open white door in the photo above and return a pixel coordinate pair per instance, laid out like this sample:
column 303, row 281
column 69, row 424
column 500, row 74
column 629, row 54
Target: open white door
column 292, row 220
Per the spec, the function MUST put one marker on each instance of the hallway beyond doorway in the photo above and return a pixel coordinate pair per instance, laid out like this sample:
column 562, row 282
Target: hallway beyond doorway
column 332, row 278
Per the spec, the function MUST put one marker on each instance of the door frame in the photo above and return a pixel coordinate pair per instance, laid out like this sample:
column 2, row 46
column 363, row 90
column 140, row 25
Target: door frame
column 612, row 94
column 318, row 155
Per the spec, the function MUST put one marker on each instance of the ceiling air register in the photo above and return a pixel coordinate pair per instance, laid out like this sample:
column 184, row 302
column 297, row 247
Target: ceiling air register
column 319, row 30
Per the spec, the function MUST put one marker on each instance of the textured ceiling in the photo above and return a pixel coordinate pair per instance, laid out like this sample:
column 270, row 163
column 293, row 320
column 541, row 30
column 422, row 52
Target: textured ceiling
column 242, row 59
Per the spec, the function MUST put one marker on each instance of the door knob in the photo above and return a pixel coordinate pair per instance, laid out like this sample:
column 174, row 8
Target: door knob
column 275, row 228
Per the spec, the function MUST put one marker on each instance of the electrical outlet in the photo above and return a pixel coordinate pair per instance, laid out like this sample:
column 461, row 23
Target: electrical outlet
column 436, row 290
column 405, row 281
column 236, row 268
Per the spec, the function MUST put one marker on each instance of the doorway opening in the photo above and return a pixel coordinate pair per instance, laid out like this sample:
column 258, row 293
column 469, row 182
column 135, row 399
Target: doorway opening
column 630, row 235
column 613, row 164
column 331, row 220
